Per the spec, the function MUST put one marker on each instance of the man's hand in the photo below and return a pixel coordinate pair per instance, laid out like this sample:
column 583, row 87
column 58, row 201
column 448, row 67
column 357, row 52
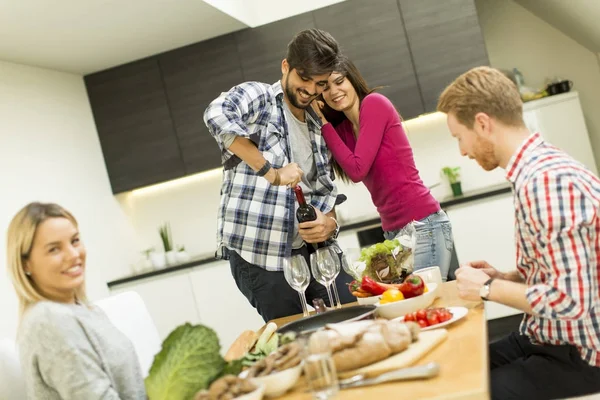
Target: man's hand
column 317, row 105
column 469, row 281
column 290, row 175
column 318, row 230
column 487, row 268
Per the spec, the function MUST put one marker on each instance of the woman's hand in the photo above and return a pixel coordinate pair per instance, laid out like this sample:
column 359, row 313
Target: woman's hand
column 317, row 105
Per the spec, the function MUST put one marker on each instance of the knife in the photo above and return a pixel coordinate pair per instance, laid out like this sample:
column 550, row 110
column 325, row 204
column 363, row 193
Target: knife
column 419, row 372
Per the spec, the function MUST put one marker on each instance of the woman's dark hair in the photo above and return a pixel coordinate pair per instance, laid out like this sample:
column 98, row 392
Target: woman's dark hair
column 313, row 52
column 346, row 68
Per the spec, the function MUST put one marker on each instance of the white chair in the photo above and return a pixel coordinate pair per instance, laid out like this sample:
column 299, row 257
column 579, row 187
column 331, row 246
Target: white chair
column 12, row 386
column 129, row 314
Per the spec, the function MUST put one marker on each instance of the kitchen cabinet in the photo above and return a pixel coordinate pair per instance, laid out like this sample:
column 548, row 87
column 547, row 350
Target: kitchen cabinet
column 205, row 295
column 220, row 304
column 149, row 113
column 170, row 300
column 372, row 35
column 262, row 49
column 445, row 40
column 194, row 76
column 134, row 125
column 484, row 230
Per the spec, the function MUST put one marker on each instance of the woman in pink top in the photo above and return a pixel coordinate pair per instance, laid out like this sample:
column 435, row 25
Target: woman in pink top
column 368, row 142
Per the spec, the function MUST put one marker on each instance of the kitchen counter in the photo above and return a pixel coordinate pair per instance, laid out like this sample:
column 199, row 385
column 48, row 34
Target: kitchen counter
column 463, row 360
column 353, row 225
column 446, row 202
column 193, row 262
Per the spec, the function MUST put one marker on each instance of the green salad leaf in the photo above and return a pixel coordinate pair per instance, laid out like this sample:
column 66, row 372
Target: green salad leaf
column 189, row 361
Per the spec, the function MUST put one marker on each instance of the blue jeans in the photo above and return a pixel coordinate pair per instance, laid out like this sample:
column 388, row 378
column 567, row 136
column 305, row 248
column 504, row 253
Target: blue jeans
column 434, row 242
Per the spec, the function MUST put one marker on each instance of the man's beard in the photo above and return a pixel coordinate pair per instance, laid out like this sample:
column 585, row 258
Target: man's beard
column 485, row 156
column 292, row 97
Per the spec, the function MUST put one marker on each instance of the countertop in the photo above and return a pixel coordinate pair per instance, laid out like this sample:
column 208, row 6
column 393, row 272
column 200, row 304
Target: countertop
column 463, row 360
column 352, row 225
column 446, row 202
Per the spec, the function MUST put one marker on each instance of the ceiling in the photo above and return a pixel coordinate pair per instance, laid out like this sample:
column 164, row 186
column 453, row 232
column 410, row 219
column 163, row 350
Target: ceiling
column 577, row 19
column 85, row 36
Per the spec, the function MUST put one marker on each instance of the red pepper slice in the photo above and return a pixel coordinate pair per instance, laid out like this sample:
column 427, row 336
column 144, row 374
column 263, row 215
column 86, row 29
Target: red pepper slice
column 369, row 285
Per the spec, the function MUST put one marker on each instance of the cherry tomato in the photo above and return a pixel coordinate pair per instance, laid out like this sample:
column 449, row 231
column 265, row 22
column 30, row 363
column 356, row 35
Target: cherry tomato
column 423, row 323
column 421, row 315
column 409, row 318
column 444, row 315
column 432, row 318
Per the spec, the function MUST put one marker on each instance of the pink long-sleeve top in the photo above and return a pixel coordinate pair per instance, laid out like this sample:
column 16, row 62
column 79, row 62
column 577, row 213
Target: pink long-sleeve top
column 383, row 160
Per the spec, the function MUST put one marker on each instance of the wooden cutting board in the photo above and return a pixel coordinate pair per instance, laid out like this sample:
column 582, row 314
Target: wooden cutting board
column 427, row 341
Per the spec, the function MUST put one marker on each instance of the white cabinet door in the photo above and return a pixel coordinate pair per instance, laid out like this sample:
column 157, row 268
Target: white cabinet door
column 484, row 230
column 348, row 240
column 169, row 299
column 220, row 304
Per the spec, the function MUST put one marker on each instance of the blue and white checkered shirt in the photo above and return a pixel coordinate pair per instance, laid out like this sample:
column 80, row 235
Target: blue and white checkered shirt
column 256, row 219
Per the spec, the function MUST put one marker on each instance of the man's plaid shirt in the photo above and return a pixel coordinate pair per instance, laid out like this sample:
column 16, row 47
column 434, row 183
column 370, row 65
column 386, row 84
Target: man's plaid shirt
column 256, row 219
column 557, row 201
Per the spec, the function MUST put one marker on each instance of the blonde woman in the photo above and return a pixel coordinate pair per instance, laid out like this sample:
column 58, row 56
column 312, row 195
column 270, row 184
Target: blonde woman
column 68, row 347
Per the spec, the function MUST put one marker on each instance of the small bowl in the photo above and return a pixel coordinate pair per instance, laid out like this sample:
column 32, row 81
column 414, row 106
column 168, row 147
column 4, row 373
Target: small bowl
column 403, row 307
column 256, row 395
column 278, row 383
column 430, row 275
column 368, row 300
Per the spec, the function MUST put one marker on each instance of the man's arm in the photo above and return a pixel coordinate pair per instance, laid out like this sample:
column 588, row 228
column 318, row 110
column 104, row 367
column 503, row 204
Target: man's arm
column 229, row 114
column 565, row 230
column 289, row 175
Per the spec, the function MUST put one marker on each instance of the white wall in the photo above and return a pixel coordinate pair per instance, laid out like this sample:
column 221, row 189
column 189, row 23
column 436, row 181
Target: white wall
column 49, row 151
column 515, row 37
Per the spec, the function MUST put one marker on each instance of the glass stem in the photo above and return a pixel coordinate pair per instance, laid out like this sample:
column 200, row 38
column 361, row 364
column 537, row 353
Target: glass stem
column 303, row 301
column 337, row 296
column 331, row 304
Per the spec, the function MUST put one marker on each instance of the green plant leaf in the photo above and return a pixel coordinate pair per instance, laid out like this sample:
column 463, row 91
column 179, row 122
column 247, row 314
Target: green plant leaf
column 189, row 361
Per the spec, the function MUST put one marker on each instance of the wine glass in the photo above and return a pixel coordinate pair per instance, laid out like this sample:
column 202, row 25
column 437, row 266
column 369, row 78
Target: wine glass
column 325, row 269
column 297, row 275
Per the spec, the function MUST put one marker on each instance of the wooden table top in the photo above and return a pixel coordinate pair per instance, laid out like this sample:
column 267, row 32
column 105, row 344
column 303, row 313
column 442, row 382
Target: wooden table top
column 463, row 359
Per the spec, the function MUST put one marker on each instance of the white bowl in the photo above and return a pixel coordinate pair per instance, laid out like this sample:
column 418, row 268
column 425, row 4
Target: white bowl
column 430, row 275
column 368, row 300
column 403, row 307
column 256, row 395
column 278, row 383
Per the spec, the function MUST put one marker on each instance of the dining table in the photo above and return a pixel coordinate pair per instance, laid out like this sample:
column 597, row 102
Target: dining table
column 462, row 357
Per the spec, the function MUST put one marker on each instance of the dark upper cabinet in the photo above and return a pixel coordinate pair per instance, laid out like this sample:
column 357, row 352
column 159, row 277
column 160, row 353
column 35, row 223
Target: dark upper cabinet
column 194, row 76
column 445, row 40
column 371, row 34
column 262, row 49
column 149, row 113
column 134, row 125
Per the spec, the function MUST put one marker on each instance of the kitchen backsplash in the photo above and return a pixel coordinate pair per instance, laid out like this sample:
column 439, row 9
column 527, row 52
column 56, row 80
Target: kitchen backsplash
column 190, row 204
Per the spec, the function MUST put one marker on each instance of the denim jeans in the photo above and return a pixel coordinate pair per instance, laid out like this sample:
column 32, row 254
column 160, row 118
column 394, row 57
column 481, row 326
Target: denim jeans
column 434, row 242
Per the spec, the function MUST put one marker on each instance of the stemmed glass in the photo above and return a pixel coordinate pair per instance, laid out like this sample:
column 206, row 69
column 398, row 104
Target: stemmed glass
column 325, row 267
column 297, row 275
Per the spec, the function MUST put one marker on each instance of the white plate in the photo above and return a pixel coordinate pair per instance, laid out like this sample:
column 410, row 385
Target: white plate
column 457, row 313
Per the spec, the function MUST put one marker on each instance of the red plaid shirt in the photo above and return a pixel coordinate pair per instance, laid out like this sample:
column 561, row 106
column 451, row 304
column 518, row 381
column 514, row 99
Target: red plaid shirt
column 557, row 201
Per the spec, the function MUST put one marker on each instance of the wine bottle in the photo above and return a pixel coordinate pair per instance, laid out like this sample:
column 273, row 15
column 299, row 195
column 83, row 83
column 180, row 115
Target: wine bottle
column 305, row 212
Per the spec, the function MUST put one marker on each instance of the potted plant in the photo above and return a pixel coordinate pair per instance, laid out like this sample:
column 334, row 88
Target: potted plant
column 167, row 241
column 182, row 255
column 453, row 175
column 156, row 258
